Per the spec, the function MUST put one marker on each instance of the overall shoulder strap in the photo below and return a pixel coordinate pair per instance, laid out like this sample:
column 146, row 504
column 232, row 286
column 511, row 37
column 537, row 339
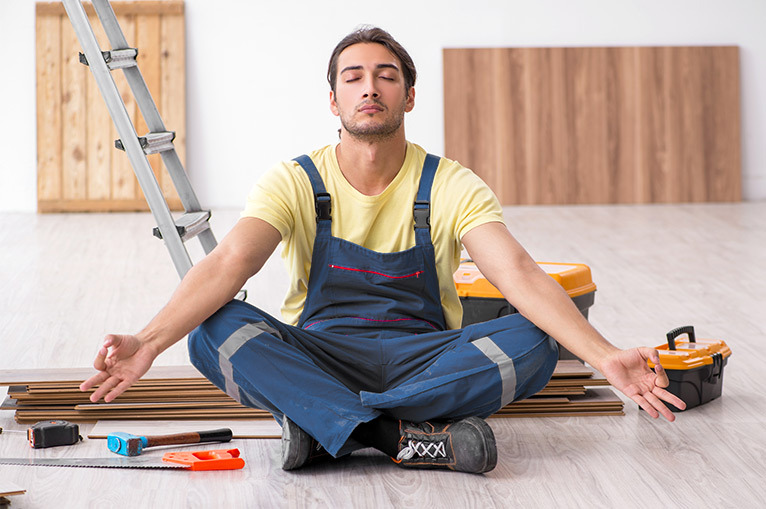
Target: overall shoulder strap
column 422, row 206
column 322, row 200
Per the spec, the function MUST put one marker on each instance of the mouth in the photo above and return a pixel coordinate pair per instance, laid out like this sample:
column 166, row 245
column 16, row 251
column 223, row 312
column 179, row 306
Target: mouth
column 370, row 108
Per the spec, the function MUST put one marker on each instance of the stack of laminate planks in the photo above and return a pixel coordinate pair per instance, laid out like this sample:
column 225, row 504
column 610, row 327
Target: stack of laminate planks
column 180, row 392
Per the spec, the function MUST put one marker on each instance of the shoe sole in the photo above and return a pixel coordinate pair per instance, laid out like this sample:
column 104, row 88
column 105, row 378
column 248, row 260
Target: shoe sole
column 489, row 443
column 296, row 445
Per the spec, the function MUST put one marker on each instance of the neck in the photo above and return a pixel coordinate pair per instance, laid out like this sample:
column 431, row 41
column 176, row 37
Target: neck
column 370, row 166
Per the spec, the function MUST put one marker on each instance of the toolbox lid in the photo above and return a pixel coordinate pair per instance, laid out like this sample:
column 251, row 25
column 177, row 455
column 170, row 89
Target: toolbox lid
column 575, row 278
column 690, row 355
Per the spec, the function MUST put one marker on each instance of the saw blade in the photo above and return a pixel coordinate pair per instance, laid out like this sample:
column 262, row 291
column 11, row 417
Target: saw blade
column 136, row 462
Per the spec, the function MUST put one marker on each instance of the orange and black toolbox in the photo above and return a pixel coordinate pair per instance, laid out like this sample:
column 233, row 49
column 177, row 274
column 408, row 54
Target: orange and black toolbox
column 694, row 366
column 482, row 301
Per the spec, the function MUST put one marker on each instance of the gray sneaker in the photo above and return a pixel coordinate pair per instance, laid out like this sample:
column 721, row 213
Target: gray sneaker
column 298, row 447
column 467, row 445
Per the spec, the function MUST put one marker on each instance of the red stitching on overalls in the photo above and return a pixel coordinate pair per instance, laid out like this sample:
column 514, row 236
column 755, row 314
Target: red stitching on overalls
column 414, row 274
column 306, row 327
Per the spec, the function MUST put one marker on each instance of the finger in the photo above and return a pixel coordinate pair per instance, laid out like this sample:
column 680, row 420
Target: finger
column 645, row 405
column 670, row 398
column 100, row 361
column 94, row 380
column 112, row 340
column 662, row 379
column 660, row 406
column 104, row 388
column 121, row 387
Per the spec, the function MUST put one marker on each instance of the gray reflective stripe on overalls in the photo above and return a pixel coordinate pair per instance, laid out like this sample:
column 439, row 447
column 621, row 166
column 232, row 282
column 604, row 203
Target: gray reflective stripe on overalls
column 504, row 365
column 233, row 343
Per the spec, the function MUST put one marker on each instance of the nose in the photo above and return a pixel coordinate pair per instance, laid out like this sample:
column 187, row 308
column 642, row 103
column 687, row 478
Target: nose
column 370, row 91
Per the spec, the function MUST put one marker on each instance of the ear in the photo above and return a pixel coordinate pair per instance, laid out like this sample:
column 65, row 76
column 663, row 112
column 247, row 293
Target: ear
column 410, row 102
column 333, row 104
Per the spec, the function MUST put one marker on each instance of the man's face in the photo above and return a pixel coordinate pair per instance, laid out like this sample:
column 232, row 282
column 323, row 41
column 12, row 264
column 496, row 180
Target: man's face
column 370, row 95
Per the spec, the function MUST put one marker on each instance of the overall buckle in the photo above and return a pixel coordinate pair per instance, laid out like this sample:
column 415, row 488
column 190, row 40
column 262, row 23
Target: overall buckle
column 323, row 205
column 422, row 213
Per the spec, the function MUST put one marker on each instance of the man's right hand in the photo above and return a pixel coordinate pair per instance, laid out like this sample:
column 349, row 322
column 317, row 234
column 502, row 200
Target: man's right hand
column 121, row 361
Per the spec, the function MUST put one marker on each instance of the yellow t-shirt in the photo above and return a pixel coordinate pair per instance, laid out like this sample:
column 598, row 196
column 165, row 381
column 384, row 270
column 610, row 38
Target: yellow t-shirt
column 460, row 201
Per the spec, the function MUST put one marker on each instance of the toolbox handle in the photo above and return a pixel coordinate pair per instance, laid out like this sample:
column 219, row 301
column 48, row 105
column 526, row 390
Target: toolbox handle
column 672, row 335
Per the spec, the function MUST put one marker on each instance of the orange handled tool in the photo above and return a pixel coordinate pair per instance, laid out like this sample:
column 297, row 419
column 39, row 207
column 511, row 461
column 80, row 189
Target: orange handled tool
column 218, row 459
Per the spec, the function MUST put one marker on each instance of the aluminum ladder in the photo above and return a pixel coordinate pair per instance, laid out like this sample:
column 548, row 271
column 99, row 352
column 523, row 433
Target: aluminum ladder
column 195, row 221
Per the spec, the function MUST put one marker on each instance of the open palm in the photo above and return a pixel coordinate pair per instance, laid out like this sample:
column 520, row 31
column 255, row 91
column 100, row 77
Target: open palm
column 628, row 371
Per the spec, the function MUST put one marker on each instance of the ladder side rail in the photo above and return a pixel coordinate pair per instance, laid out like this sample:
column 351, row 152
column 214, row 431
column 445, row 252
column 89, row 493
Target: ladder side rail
column 132, row 74
column 148, row 107
column 153, row 120
column 186, row 194
column 127, row 132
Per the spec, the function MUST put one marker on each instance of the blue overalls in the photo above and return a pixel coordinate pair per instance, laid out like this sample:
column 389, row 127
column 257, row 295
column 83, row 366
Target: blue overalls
column 371, row 339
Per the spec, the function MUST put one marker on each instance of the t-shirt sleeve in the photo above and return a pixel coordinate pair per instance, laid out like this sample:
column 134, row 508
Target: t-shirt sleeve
column 476, row 203
column 273, row 199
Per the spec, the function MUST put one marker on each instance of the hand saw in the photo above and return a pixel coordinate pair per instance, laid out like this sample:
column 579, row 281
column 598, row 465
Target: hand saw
column 140, row 462
column 221, row 459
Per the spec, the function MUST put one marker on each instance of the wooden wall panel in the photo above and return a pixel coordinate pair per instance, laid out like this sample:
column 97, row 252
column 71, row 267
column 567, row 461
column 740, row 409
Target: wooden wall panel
column 597, row 125
column 48, row 72
column 78, row 167
column 124, row 182
column 172, row 99
column 100, row 147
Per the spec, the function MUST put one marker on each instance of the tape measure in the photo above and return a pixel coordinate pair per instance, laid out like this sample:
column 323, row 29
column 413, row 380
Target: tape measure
column 51, row 434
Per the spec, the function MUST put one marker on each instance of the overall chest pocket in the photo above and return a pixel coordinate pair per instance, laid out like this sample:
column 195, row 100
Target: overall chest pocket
column 368, row 275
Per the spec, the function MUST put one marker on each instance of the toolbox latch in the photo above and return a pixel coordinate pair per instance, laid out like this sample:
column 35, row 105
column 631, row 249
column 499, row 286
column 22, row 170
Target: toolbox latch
column 717, row 370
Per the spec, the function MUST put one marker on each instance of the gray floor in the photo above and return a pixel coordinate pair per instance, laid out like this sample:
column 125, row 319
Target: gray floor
column 66, row 280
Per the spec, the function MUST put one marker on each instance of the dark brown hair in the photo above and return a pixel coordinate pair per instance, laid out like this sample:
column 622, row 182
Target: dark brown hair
column 370, row 34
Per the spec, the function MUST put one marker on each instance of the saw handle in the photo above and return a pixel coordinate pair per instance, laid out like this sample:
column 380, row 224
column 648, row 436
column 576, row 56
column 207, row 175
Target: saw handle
column 195, row 437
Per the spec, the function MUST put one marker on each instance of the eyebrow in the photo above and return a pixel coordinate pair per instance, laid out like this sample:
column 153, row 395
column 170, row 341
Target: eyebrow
column 359, row 67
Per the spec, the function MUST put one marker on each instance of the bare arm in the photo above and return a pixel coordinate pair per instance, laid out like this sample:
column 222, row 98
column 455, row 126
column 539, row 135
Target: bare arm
column 209, row 285
column 507, row 265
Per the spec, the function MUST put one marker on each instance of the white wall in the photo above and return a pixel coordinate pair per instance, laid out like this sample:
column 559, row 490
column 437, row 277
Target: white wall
column 257, row 94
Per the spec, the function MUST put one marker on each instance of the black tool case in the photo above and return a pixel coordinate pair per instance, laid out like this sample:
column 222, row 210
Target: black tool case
column 482, row 301
column 694, row 366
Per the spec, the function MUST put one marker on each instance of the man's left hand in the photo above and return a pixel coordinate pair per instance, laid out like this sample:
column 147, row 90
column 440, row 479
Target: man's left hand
column 628, row 371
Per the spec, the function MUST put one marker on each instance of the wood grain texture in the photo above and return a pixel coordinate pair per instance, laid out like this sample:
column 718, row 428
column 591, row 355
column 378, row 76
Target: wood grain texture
column 172, row 98
column 48, row 72
column 138, row 7
column 148, row 36
column 99, row 142
column 124, row 183
column 68, row 279
column 78, row 167
column 597, row 125
column 74, row 117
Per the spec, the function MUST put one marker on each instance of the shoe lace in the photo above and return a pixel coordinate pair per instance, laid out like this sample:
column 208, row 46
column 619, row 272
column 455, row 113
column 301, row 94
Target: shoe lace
column 422, row 449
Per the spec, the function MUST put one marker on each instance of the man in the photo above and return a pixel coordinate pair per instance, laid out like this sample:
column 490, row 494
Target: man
column 371, row 354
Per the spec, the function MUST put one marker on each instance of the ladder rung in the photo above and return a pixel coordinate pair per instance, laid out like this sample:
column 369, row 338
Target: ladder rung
column 189, row 225
column 152, row 143
column 116, row 58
